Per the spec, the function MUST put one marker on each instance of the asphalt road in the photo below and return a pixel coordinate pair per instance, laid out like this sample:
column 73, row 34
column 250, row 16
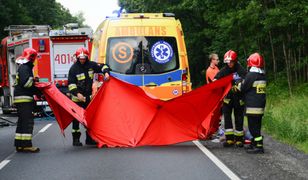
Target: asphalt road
column 58, row 159
column 204, row 160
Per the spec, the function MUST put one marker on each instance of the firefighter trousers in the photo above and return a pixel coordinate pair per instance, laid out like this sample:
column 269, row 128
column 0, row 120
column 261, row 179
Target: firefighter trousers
column 238, row 110
column 25, row 123
column 75, row 128
column 254, row 125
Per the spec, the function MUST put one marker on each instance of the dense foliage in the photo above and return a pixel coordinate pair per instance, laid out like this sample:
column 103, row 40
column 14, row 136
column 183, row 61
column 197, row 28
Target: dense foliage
column 35, row 12
column 275, row 28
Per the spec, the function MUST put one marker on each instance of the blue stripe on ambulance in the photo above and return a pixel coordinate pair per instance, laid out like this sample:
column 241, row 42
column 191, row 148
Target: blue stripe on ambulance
column 150, row 78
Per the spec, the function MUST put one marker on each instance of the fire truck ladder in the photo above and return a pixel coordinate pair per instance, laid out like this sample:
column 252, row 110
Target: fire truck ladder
column 35, row 30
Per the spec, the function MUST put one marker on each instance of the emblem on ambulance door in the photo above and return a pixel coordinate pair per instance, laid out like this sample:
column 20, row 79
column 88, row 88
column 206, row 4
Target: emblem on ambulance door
column 162, row 52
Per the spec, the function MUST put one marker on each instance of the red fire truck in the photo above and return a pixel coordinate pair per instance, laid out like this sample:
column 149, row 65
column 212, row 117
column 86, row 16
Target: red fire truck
column 55, row 55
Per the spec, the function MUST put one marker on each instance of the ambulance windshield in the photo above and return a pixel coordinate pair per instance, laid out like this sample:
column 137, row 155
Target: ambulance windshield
column 142, row 55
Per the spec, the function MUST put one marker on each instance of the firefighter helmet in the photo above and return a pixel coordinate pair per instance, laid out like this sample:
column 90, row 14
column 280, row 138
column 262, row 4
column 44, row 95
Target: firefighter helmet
column 82, row 53
column 255, row 60
column 230, row 56
column 29, row 54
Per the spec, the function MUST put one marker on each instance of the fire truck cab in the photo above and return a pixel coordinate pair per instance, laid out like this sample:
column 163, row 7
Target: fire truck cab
column 55, row 49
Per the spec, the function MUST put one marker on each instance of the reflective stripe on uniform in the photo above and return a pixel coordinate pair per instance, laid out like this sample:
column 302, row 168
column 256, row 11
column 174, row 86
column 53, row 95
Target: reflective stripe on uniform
column 260, row 138
column 242, row 102
column 238, row 133
column 75, row 99
column 17, row 80
column 229, row 132
column 227, row 101
column 256, row 83
column 105, row 67
column 250, row 110
column 21, row 99
column 75, row 130
column 72, row 87
column 29, row 82
column 20, row 136
column 91, row 74
column 81, row 76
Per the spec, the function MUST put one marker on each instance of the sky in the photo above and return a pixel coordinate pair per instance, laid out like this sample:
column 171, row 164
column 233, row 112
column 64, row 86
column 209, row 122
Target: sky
column 94, row 11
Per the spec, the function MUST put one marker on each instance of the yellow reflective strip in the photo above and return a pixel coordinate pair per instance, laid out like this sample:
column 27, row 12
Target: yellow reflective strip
column 81, row 78
column 227, row 101
column 258, row 138
column 75, row 130
column 242, row 102
column 239, row 133
column 22, row 100
column 29, row 82
column 19, row 136
column 229, row 133
column 75, row 99
column 72, row 86
column 91, row 74
column 105, row 67
column 256, row 83
column 254, row 110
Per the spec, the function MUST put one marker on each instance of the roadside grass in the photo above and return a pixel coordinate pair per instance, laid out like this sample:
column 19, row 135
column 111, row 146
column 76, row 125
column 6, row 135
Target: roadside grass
column 286, row 117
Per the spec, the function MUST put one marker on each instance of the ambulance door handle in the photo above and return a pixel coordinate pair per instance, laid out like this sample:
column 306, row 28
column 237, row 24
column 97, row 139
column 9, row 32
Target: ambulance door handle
column 151, row 84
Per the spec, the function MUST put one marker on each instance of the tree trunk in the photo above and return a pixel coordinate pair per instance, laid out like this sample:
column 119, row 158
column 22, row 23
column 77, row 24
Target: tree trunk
column 273, row 54
column 287, row 67
column 295, row 66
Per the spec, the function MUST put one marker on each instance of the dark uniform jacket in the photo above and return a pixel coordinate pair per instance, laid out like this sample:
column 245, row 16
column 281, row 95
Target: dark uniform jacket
column 225, row 71
column 24, row 84
column 80, row 78
column 254, row 87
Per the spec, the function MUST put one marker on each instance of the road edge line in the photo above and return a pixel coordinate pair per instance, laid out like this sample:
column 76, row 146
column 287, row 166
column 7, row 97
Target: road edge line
column 4, row 163
column 45, row 128
column 216, row 161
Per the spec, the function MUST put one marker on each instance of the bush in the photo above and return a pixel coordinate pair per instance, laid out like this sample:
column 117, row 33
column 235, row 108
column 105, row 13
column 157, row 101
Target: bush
column 286, row 118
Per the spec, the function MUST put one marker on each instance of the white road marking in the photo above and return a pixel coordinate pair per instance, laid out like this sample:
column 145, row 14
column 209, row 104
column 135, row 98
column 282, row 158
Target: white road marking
column 7, row 159
column 3, row 163
column 218, row 163
column 45, row 128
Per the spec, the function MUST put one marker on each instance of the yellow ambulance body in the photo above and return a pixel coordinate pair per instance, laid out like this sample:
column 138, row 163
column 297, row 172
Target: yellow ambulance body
column 146, row 50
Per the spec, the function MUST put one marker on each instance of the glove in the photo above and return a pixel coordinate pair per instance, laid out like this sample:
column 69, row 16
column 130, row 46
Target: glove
column 236, row 77
column 81, row 97
column 235, row 88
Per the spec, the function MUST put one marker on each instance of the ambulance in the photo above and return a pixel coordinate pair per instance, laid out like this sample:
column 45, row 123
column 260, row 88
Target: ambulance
column 147, row 50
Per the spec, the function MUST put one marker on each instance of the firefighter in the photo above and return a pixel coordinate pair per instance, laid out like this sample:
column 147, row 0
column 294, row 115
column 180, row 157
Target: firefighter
column 212, row 70
column 24, row 90
column 80, row 79
column 253, row 87
column 233, row 101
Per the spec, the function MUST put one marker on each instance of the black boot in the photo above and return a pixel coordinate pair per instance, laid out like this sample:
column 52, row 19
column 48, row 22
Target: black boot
column 239, row 141
column 89, row 140
column 76, row 137
column 257, row 146
column 229, row 141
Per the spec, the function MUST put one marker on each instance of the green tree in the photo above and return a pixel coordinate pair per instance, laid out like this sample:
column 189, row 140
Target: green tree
column 39, row 12
column 275, row 28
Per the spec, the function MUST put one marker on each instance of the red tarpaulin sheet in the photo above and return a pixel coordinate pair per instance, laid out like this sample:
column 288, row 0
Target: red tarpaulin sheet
column 63, row 108
column 123, row 115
